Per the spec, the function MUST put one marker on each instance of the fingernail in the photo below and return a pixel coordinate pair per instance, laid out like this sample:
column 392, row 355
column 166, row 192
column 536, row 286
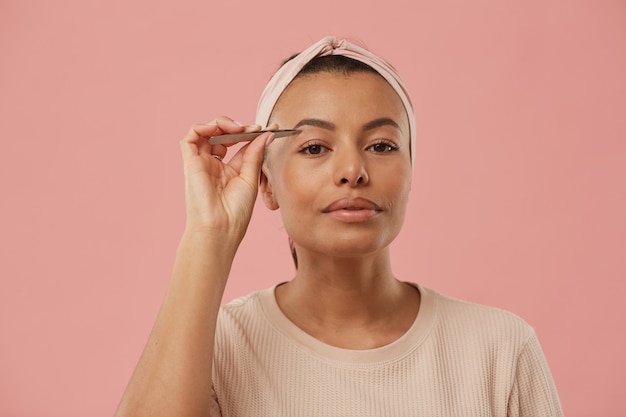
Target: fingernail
column 269, row 139
column 238, row 123
column 252, row 128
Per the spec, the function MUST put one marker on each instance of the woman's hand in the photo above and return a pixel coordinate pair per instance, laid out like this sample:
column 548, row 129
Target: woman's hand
column 173, row 376
column 220, row 195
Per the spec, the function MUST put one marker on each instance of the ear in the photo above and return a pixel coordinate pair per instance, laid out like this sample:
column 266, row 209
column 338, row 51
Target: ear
column 265, row 187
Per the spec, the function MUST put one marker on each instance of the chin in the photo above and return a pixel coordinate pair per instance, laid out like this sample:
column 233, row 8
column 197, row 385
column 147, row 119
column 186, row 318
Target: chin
column 354, row 246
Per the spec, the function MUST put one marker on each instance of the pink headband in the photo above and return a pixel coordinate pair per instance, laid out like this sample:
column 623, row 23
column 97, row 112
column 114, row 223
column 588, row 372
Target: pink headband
column 333, row 46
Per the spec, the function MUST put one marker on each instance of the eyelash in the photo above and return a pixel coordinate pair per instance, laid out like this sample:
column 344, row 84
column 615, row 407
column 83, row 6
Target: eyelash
column 306, row 148
column 390, row 146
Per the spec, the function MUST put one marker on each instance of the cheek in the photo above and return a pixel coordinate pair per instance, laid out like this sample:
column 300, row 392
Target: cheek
column 396, row 178
column 397, row 194
column 399, row 198
column 296, row 188
column 291, row 184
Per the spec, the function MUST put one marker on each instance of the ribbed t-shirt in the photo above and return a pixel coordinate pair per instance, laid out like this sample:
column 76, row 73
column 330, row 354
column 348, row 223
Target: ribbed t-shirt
column 457, row 359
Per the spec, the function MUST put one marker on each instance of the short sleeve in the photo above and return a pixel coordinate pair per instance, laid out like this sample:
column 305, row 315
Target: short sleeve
column 533, row 393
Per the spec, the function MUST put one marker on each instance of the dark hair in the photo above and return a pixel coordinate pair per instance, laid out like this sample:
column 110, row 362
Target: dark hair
column 294, row 255
column 336, row 64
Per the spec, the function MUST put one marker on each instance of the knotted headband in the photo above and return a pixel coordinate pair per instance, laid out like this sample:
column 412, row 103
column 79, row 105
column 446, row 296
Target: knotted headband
column 333, row 46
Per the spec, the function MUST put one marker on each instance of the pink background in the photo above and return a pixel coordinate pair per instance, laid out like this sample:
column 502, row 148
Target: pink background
column 518, row 200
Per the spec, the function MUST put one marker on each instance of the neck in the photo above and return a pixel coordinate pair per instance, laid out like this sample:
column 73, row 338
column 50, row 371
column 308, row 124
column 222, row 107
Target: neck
column 331, row 297
column 363, row 276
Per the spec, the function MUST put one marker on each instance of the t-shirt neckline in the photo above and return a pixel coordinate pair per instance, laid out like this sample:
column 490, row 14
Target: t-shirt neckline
column 412, row 339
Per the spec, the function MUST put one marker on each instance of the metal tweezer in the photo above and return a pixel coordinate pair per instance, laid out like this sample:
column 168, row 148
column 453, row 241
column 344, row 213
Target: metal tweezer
column 242, row 137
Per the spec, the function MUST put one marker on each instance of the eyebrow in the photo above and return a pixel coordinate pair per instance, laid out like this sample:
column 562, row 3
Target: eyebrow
column 323, row 124
column 315, row 123
column 383, row 121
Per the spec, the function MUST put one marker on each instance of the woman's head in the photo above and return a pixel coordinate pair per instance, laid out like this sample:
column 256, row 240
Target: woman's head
column 312, row 60
column 342, row 183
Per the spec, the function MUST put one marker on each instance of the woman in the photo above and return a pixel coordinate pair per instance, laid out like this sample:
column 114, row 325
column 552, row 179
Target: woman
column 344, row 337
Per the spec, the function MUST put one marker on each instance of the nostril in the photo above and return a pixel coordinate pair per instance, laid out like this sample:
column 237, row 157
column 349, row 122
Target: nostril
column 344, row 180
column 360, row 179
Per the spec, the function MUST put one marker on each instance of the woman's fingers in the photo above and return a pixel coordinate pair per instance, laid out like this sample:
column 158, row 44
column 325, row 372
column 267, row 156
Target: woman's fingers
column 220, row 194
column 218, row 151
column 253, row 158
column 195, row 142
column 249, row 158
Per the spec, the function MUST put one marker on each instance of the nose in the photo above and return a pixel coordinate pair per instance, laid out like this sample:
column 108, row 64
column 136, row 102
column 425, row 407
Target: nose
column 346, row 181
column 351, row 169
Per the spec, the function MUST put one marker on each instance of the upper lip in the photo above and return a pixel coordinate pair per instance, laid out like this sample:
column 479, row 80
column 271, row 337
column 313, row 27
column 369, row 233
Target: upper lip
column 348, row 203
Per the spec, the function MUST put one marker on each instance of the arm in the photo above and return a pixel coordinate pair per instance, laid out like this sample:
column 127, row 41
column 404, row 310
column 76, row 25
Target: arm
column 173, row 375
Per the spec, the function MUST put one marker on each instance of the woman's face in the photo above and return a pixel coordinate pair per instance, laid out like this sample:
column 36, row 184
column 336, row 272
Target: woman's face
column 342, row 183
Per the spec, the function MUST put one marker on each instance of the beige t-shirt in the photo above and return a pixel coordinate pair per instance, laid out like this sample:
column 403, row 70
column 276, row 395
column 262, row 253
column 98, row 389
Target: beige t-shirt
column 457, row 359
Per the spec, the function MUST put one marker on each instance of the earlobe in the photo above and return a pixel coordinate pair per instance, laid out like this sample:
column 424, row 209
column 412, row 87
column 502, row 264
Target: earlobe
column 265, row 187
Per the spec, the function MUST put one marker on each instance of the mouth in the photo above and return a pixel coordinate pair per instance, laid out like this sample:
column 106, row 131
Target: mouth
column 358, row 203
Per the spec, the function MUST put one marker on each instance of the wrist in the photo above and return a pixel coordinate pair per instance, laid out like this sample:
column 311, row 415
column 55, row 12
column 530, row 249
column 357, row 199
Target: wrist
column 211, row 240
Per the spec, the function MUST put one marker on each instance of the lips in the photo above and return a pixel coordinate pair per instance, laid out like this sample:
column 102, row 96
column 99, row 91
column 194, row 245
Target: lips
column 352, row 204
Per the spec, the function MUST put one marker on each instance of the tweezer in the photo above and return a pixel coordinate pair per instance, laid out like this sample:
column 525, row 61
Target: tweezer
column 242, row 137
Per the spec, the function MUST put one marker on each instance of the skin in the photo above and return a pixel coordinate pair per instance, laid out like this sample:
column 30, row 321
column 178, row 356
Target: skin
column 173, row 375
column 344, row 292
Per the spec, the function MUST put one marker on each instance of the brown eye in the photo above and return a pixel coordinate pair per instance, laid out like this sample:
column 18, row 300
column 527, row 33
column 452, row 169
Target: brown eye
column 313, row 149
column 383, row 147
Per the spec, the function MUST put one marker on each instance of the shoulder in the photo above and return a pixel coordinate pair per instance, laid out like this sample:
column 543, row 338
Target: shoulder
column 467, row 312
column 241, row 307
column 243, row 316
column 473, row 322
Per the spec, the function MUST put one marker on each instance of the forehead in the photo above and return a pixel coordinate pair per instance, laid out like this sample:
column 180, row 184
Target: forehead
column 358, row 96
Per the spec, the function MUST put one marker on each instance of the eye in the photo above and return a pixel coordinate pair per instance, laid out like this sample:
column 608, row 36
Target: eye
column 313, row 148
column 383, row 147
